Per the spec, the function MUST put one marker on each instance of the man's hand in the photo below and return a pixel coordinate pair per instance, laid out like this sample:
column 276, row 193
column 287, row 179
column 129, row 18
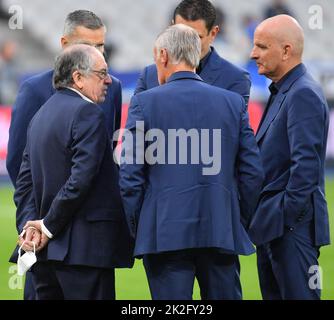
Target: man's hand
column 43, row 243
column 35, row 224
column 28, row 238
column 43, row 240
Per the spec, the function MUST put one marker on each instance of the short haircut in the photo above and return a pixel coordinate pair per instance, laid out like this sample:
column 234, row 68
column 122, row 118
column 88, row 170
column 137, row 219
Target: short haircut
column 83, row 18
column 193, row 10
column 74, row 58
column 182, row 44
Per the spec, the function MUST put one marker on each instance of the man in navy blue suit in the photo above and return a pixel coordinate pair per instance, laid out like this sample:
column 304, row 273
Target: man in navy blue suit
column 214, row 70
column 81, row 26
column 291, row 220
column 195, row 180
column 67, row 188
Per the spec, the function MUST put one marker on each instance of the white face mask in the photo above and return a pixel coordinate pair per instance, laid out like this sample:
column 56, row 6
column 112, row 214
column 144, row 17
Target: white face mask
column 26, row 261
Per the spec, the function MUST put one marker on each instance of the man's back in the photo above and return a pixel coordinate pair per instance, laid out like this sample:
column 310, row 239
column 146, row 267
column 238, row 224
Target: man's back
column 181, row 199
column 75, row 183
column 186, row 104
column 54, row 129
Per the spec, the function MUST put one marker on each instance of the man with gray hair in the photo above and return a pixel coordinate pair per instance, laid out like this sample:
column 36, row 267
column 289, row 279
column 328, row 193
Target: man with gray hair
column 81, row 26
column 187, row 223
column 67, row 188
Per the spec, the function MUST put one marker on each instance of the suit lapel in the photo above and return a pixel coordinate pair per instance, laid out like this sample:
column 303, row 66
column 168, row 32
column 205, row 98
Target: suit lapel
column 271, row 115
column 212, row 69
column 276, row 106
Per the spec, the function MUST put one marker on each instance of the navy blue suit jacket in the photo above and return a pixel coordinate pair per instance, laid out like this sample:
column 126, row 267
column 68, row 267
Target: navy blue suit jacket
column 69, row 179
column 174, row 206
column 292, row 141
column 33, row 93
column 217, row 72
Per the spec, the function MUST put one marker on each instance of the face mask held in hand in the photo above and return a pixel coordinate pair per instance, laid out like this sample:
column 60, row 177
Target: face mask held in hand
column 26, row 261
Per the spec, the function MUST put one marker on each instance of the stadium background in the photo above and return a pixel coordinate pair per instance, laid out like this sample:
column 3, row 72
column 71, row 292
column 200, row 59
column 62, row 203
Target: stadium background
column 132, row 28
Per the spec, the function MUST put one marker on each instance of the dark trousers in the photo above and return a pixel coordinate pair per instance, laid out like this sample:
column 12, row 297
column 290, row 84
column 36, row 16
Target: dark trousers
column 284, row 265
column 29, row 287
column 56, row 281
column 171, row 275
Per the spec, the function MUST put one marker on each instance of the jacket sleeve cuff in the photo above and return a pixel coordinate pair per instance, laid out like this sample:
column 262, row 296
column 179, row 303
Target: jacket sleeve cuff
column 46, row 231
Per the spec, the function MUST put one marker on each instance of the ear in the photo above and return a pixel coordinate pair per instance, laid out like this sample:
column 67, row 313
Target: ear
column 64, row 41
column 77, row 79
column 164, row 57
column 286, row 52
column 213, row 33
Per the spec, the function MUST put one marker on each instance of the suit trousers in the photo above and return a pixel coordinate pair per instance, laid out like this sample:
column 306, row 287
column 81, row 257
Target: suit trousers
column 57, row 281
column 171, row 275
column 29, row 287
column 287, row 265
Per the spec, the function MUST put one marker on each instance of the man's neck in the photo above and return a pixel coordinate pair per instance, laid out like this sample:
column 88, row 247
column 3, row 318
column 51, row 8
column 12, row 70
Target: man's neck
column 179, row 68
column 206, row 53
column 80, row 94
column 284, row 71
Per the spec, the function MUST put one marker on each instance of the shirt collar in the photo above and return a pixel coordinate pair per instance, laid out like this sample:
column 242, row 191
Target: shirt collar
column 203, row 61
column 184, row 75
column 276, row 86
column 80, row 94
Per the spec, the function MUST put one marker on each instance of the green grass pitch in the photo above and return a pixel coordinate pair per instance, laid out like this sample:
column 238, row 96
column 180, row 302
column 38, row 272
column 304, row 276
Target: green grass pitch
column 131, row 283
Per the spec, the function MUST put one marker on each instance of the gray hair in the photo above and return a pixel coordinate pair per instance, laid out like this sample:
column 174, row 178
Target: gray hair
column 82, row 18
column 78, row 57
column 182, row 44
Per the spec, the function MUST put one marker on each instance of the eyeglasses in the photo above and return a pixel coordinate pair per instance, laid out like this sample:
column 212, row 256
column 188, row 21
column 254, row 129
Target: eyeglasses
column 102, row 74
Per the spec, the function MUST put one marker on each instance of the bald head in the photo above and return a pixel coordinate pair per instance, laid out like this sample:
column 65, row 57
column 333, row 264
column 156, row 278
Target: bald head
column 278, row 46
column 286, row 31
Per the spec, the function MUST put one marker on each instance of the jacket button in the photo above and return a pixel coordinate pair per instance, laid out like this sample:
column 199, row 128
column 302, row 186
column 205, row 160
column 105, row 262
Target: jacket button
column 291, row 229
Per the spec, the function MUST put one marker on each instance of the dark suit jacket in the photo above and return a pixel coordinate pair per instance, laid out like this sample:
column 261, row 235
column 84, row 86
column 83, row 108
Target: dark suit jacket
column 68, row 178
column 174, row 206
column 217, row 72
column 292, row 141
column 33, row 93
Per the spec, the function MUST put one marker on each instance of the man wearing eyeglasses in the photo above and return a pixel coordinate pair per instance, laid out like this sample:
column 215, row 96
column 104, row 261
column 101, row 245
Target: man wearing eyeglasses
column 81, row 26
column 67, row 188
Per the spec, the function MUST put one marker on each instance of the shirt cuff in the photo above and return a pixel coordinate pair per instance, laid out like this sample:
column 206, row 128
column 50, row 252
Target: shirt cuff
column 46, row 231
